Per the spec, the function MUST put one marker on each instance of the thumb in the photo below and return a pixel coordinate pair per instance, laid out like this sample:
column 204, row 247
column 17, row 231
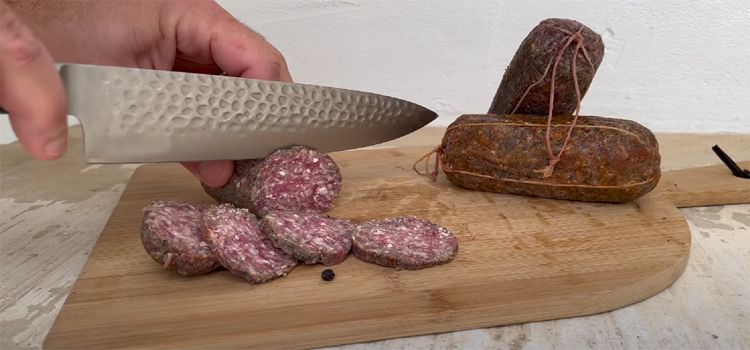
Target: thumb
column 31, row 89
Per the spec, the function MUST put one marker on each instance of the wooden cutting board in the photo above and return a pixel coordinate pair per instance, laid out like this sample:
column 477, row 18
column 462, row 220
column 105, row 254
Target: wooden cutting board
column 520, row 260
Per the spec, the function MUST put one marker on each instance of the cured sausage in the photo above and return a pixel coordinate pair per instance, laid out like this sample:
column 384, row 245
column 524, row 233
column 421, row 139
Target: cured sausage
column 241, row 246
column 296, row 179
column 600, row 160
column 310, row 237
column 404, row 243
column 550, row 49
column 237, row 190
column 291, row 179
column 172, row 233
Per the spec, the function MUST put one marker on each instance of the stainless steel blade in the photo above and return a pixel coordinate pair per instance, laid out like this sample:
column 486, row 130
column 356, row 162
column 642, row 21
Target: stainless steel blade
column 148, row 116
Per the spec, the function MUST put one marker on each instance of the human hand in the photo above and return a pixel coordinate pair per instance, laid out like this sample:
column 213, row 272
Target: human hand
column 31, row 90
column 187, row 36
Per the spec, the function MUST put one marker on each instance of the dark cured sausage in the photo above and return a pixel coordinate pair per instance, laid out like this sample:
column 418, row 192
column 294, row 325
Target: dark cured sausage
column 604, row 160
column 535, row 62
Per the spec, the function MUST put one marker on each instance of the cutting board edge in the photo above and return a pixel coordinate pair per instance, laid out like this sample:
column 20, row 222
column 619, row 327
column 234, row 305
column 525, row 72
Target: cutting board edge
column 610, row 300
column 675, row 271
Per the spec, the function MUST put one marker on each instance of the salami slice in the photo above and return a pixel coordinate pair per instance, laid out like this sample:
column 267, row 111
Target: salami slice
column 310, row 237
column 296, row 179
column 241, row 246
column 291, row 179
column 172, row 233
column 404, row 243
column 237, row 190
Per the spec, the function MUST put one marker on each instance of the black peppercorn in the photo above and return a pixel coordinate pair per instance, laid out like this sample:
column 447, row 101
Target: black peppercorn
column 328, row 275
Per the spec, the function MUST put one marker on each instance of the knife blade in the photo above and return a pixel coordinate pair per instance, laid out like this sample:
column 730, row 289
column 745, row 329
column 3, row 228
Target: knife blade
column 131, row 115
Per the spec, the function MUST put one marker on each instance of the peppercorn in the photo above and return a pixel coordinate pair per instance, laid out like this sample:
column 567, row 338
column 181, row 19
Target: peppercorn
column 328, row 275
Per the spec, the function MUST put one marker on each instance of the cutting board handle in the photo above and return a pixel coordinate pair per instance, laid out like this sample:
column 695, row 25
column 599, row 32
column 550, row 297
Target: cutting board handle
column 704, row 186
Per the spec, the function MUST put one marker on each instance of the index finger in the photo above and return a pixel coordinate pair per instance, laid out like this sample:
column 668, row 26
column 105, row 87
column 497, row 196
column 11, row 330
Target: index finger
column 213, row 36
column 241, row 52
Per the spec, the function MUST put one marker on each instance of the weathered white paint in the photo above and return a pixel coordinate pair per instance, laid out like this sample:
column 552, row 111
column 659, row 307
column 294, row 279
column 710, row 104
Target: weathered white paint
column 675, row 66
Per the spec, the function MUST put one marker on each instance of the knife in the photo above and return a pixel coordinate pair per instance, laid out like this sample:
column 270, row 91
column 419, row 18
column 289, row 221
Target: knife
column 131, row 115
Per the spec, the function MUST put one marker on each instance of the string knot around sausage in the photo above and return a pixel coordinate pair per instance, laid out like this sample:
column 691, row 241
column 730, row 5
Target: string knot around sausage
column 554, row 62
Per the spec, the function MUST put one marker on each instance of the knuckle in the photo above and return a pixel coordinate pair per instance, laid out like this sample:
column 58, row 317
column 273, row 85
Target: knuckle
column 274, row 70
column 16, row 40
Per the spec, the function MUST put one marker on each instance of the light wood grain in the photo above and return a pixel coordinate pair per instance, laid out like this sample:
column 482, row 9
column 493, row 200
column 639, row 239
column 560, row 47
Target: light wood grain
column 703, row 186
column 53, row 213
column 520, row 260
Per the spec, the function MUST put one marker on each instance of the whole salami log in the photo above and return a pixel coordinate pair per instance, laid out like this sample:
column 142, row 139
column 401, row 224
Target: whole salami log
column 172, row 233
column 296, row 178
column 559, row 55
column 241, row 246
column 404, row 243
column 310, row 237
column 602, row 159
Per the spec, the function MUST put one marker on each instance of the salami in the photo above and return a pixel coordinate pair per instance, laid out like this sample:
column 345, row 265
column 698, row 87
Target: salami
column 241, row 246
column 294, row 179
column 404, row 243
column 237, row 190
column 550, row 49
column 172, row 233
column 604, row 160
column 310, row 237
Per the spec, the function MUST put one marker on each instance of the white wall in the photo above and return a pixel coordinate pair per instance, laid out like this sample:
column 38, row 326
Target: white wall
column 674, row 66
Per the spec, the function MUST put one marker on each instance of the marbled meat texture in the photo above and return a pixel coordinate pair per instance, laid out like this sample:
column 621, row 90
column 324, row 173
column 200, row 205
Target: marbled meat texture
column 237, row 190
column 310, row 237
column 530, row 61
column 172, row 233
column 404, row 243
column 606, row 159
column 241, row 246
column 296, row 179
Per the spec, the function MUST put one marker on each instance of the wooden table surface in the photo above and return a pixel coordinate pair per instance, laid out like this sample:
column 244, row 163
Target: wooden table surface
column 53, row 213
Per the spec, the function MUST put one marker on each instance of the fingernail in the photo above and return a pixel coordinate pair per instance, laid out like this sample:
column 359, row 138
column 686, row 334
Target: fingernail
column 56, row 147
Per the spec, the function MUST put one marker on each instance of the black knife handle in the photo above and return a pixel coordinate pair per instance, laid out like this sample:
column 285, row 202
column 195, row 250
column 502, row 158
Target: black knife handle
column 733, row 167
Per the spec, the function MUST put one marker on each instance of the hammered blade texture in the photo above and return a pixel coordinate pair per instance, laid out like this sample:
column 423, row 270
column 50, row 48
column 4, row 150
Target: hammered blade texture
column 202, row 117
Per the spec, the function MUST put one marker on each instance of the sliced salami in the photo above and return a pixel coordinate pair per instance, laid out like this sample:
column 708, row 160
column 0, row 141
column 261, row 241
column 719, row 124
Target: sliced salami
column 172, row 233
column 237, row 190
column 310, row 237
column 404, row 243
column 241, row 246
column 295, row 179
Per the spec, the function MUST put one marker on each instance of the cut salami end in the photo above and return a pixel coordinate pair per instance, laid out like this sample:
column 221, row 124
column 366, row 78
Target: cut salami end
column 310, row 237
column 404, row 243
column 237, row 190
column 172, row 233
column 241, row 246
column 295, row 179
